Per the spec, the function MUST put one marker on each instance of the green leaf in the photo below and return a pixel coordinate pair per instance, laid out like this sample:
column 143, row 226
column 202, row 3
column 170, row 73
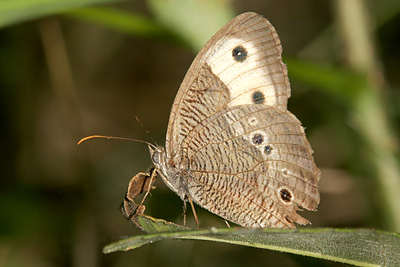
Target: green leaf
column 122, row 21
column 334, row 80
column 196, row 20
column 14, row 11
column 152, row 225
column 360, row 247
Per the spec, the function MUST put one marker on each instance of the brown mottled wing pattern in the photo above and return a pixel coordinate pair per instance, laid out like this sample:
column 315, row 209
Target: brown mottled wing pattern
column 239, row 176
column 243, row 156
column 200, row 95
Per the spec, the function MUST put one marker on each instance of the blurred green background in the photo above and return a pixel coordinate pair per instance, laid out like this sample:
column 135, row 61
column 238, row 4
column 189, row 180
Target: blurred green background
column 68, row 70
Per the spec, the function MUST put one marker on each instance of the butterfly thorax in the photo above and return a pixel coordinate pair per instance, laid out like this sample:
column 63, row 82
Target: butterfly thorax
column 169, row 171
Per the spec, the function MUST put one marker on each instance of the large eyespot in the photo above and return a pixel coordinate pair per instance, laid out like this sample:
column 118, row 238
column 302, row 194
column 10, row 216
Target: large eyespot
column 285, row 195
column 239, row 53
column 258, row 97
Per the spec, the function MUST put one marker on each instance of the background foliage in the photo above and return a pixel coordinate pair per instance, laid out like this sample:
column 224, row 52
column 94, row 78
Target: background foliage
column 66, row 73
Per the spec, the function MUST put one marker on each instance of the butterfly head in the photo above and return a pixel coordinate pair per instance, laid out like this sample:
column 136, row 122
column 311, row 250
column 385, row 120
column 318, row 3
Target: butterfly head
column 166, row 169
column 159, row 159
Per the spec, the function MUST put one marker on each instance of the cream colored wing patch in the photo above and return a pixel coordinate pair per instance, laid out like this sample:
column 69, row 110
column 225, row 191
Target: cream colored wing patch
column 251, row 67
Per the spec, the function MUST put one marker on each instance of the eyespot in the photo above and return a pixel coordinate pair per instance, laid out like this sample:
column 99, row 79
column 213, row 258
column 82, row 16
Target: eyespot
column 253, row 121
column 258, row 138
column 258, row 97
column 267, row 149
column 285, row 195
column 239, row 53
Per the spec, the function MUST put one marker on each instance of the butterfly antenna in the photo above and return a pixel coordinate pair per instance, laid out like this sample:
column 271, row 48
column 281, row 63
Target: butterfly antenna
column 145, row 130
column 114, row 137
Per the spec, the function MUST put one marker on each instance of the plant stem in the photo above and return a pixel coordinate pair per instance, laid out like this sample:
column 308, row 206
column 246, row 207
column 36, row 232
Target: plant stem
column 369, row 114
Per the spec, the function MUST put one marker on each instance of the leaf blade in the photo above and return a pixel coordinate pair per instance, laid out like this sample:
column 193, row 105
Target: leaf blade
column 360, row 247
column 16, row 11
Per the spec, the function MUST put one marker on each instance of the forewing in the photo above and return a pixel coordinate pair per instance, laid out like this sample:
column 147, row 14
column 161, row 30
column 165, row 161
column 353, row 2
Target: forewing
column 223, row 75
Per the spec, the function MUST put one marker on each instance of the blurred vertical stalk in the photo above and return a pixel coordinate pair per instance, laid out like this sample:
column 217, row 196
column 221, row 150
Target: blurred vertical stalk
column 84, row 245
column 60, row 73
column 369, row 114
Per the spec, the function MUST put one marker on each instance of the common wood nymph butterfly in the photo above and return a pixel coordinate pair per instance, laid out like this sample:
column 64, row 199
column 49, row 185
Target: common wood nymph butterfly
column 232, row 146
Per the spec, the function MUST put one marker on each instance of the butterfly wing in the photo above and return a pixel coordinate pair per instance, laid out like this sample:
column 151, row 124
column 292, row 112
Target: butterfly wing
column 220, row 77
column 252, row 165
column 242, row 155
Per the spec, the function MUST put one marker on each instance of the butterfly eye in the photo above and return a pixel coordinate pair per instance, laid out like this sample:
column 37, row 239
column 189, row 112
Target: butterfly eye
column 156, row 157
column 239, row 53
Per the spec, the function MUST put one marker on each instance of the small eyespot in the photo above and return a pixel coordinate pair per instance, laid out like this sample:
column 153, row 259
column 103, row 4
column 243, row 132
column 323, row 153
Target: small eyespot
column 285, row 195
column 258, row 139
column 239, row 53
column 285, row 171
column 253, row 121
column 258, row 97
column 267, row 149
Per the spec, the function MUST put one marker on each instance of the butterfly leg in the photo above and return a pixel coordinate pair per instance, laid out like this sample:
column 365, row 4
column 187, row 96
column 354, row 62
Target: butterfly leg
column 149, row 186
column 184, row 213
column 142, row 182
column 194, row 213
column 227, row 224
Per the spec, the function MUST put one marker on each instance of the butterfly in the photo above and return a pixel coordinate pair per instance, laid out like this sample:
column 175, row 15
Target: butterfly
column 232, row 146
